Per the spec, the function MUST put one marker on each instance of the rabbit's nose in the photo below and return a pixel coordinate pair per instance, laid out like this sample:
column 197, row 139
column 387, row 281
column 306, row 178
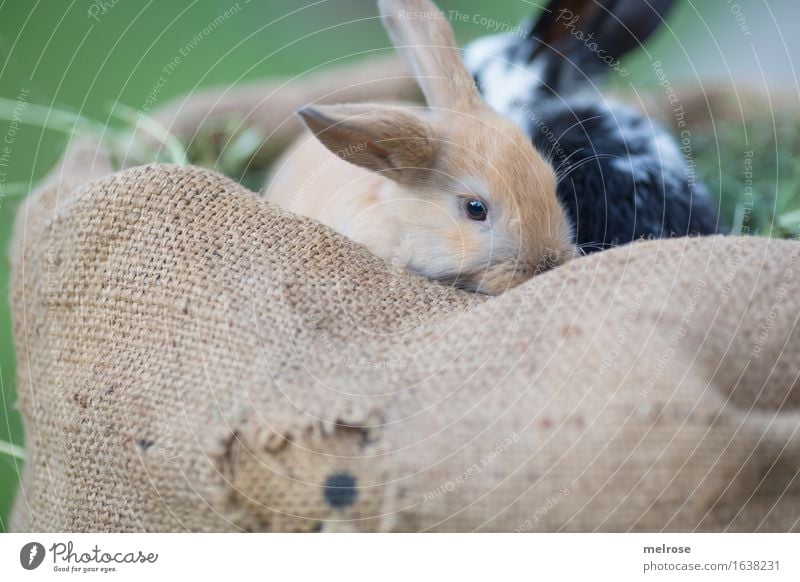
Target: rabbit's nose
column 545, row 265
column 550, row 259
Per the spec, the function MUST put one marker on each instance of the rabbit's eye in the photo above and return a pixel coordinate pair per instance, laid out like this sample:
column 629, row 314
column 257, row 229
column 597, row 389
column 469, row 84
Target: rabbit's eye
column 476, row 209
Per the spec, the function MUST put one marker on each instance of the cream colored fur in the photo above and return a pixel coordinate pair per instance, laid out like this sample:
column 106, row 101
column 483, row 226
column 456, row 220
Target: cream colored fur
column 397, row 177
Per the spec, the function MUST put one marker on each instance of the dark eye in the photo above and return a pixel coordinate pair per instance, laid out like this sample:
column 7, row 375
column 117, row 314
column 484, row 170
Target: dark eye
column 476, row 209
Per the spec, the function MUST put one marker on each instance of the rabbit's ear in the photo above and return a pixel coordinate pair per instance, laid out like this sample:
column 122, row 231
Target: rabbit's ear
column 380, row 138
column 616, row 26
column 422, row 35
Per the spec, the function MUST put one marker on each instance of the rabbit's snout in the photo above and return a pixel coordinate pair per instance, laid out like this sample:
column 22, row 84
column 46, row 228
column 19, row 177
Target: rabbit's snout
column 502, row 276
column 551, row 259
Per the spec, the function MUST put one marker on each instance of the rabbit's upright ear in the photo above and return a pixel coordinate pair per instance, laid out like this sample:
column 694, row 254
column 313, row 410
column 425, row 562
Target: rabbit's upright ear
column 378, row 137
column 422, row 35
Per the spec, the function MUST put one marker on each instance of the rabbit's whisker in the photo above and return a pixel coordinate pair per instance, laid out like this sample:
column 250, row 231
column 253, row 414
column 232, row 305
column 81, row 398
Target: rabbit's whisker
column 592, row 245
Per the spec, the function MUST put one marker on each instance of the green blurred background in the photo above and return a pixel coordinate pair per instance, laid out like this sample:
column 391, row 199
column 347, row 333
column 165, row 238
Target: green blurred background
column 85, row 56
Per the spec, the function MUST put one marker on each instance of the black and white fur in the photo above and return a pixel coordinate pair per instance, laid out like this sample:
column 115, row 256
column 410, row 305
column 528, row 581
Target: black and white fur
column 622, row 175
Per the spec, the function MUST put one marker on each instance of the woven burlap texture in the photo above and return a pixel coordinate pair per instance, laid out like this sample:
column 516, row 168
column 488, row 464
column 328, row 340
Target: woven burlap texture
column 191, row 358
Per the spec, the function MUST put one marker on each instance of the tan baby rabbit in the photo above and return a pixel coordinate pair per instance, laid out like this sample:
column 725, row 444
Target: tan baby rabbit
column 454, row 191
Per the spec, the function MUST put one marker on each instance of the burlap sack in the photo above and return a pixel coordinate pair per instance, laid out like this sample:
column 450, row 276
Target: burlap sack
column 193, row 358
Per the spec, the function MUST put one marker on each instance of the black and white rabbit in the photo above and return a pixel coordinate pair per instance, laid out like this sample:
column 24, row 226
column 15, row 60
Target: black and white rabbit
column 621, row 175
